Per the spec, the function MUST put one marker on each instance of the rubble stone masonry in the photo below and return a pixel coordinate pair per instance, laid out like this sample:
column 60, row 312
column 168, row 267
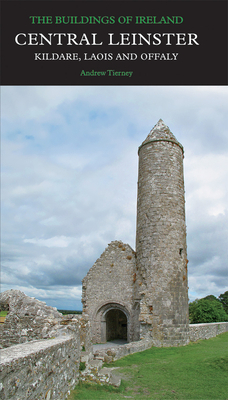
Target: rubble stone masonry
column 206, row 331
column 108, row 290
column 146, row 292
column 161, row 239
column 38, row 370
column 41, row 349
column 28, row 319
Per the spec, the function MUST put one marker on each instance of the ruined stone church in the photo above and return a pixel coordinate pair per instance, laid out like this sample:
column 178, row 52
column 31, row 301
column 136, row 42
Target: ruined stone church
column 143, row 294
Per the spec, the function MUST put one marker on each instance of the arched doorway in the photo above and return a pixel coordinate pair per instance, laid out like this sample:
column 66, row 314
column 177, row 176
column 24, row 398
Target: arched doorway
column 114, row 322
column 116, row 325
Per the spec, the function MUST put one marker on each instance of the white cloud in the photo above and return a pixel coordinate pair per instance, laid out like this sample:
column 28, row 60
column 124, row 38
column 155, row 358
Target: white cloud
column 205, row 176
column 56, row 241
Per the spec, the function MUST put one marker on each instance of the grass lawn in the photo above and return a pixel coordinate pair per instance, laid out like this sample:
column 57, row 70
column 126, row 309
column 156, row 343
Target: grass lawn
column 198, row 371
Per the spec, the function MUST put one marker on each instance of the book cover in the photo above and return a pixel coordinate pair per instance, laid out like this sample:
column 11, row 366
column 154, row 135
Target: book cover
column 83, row 86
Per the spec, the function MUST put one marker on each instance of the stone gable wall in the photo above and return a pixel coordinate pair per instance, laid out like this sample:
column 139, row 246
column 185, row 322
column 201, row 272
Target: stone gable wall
column 110, row 281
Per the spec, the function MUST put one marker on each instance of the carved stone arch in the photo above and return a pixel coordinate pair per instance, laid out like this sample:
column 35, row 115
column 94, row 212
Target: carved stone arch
column 113, row 316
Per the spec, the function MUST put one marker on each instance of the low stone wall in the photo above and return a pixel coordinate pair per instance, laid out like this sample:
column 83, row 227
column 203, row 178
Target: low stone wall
column 41, row 349
column 38, row 370
column 115, row 353
column 196, row 332
column 206, row 331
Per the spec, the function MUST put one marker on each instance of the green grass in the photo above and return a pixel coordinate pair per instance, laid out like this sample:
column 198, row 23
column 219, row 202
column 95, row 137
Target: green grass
column 198, row 371
column 3, row 313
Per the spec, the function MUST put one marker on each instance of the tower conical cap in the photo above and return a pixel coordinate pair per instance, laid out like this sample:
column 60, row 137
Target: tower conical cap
column 159, row 133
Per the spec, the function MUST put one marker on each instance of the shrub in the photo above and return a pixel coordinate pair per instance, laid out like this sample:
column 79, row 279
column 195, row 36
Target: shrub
column 206, row 310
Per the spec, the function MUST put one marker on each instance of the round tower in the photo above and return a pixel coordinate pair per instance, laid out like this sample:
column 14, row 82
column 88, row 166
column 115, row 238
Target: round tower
column 161, row 240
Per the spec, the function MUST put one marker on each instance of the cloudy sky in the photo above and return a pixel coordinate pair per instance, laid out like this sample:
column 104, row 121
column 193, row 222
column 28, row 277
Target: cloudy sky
column 69, row 175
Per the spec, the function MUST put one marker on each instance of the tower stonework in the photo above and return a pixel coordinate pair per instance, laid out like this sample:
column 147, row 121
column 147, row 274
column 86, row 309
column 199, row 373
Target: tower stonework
column 144, row 294
column 161, row 240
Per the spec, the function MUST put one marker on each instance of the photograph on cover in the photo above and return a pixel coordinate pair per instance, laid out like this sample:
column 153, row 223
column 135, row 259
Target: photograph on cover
column 99, row 186
column 69, row 181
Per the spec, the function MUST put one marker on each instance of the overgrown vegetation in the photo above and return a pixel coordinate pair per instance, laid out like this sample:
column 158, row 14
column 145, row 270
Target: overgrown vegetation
column 65, row 312
column 3, row 313
column 209, row 309
column 198, row 371
column 82, row 366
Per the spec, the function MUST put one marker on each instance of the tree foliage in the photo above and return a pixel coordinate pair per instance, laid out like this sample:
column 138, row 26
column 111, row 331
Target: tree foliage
column 208, row 309
column 211, row 297
column 224, row 300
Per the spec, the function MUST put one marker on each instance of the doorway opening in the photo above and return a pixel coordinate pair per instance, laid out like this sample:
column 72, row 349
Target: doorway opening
column 116, row 325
